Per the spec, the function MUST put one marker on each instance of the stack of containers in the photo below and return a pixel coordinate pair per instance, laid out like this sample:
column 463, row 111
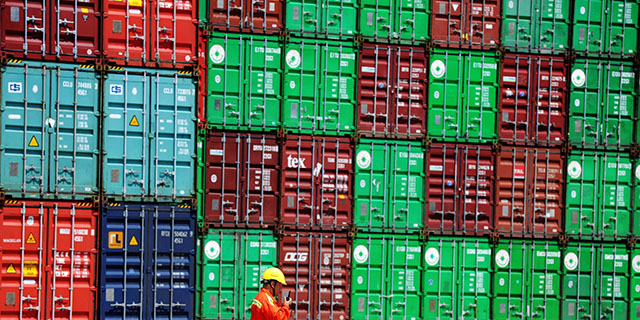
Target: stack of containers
column 98, row 156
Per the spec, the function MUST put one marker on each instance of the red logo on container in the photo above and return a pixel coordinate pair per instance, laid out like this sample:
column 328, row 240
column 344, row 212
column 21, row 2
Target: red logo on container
column 518, row 172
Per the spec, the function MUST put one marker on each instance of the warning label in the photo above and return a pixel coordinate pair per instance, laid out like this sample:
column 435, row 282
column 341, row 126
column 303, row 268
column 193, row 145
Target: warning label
column 134, row 122
column 11, row 269
column 33, row 142
column 115, row 240
column 31, row 239
column 30, row 269
column 134, row 241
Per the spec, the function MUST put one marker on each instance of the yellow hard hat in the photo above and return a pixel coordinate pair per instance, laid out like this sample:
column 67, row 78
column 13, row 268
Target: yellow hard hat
column 274, row 274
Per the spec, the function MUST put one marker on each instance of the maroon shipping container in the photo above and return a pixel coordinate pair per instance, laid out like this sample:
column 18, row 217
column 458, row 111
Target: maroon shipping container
column 392, row 92
column 317, row 271
column 48, row 257
column 248, row 16
column 241, row 180
column 460, row 189
column 63, row 30
column 532, row 95
column 466, row 23
column 150, row 33
column 529, row 192
column 317, row 178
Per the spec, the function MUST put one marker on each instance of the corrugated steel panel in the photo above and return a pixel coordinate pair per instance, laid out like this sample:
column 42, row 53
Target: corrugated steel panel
column 158, row 33
column 317, row 270
column 149, row 134
column 531, row 26
column 232, row 262
column 392, row 97
column 529, row 192
column 48, row 260
column 533, row 90
column 316, row 182
column 336, row 19
column 242, row 180
column 147, row 263
column 246, row 16
column 50, row 137
column 466, row 23
column 52, row 29
column 460, row 184
column 395, row 21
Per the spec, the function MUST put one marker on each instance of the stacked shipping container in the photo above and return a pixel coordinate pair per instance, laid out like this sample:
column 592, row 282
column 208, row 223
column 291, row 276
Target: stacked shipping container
column 447, row 159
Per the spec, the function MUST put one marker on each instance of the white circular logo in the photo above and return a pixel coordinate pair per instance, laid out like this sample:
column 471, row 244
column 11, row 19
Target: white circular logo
column 432, row 256
column 510, row 4
column 30, row 221
column 134, row 91
column 89, row 51
column 360, row 280
column 638, row 172
column 212, row 250
column 582, row 10
column 293, row 58
column 212, row 276
column 578, row 78
column 571, row 261
column 216, row 53
column 570, row 284
column 502, row 258
column 637, row 287
column 214, row 178
column 361, row 254
column 635, row 263
column 292, row 84
column 502, row 281
column 574, row 194
column 218, row 78
column 438, row 69
column 363, row 183
column 363, row 159
column 575, row 169
column 436, row 94
column 34, row 89
column 187, row 58
column 576, row 102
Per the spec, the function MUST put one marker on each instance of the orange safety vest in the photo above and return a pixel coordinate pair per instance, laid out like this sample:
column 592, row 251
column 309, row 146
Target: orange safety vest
column 265, row 307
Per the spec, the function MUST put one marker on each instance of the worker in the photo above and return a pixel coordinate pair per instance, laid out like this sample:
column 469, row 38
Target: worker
column 265, row 306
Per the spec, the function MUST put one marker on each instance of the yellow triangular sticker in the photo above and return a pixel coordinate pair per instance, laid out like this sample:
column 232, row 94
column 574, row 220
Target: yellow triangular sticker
column 11, row 269
column 134, row 241
column 134, row 122
column 33, row 142
column 31, row 238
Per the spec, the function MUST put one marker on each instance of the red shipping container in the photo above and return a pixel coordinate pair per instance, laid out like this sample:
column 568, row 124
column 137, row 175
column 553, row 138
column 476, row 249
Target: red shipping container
column 247, row 16
column 48, row 259
column 317, row 178
column 460, row 181
column 61, row 30
column 150, row 33
column 532, row 95
column 466, row 23
column 529, row 192
column 392, row 92
column 317, row 270
column 241, row 180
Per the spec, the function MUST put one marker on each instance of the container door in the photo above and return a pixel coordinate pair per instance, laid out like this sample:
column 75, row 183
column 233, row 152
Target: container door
column 333, row 284
column 22, row 260
column 616, row 183
column 75, row 28
column 518, row 24
column 613, row 282
column 126, row 170
column 552, row 25
column 371, row 207
column 410, row 83
column 579, row 278
column 305, row 17
column 123, row 263
column 584, row 122
column 263, row 78
column 475, row 190
column 547, row 174
column 226, row 14
column 406, row 182
column 337, row 84
column 223, row 167
column 404, row 273
column 589, row 19
column 634, row 284
column 483, row 29
column 263, row 16
column 340, row 18
column 298, row 257
column 446, row 90
column 544, row 270
column 173, row 117
column 548, row 122
column 620, row 95
column 442, row 188
column 377, row 18
column 225, row 85
column 583, row 174
column 512, row 209
column 510, row 287
column 25, row 142
column 375, row 108
column 261, row 179
column 622, row 27
column 302, row 76
column 259, row 251
column 448, row 24
column 300, row 181
column 635, row 219
column 73, row 118
column 126, row 31
column 174, row 32
column 369, row 279
column 475, row 279
column 333, row 171
column 71, row 290
column 412, row 20
column 440, row 290
column 480, row 107
column 170, row 252
column 24, row 27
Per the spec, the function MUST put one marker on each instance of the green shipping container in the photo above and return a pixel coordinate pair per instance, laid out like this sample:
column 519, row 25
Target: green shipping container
column 463, row 92
column 405, row 21
column 595, row 281
column 457, row 280
column 244, row 82
column 603, row 101
column 607, row 27
column 526, row 283
column 598, row 197
column 334, row 19
column 320, row 87
column 532, row 26
column 230, row 265
column 634, row 296
column 386, row 276
column 390, row 191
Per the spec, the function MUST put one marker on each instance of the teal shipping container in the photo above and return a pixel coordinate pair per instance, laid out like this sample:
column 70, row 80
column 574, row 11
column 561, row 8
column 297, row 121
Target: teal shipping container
column 50, row 139
column 149, row 134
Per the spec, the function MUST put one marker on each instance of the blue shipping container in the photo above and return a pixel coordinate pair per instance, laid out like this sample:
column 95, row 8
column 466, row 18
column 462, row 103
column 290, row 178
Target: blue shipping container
column 50, row 138
column 149, row 134
column 147, row 263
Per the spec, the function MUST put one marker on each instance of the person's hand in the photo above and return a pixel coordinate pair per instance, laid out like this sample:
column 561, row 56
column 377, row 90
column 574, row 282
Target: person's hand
column 287, row 301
